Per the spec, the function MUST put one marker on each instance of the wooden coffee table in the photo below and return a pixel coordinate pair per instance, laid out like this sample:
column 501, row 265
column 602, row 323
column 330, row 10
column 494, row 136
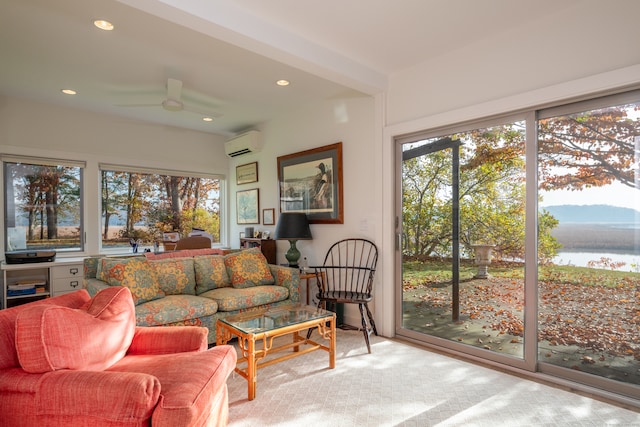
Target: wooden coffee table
column 257, row 330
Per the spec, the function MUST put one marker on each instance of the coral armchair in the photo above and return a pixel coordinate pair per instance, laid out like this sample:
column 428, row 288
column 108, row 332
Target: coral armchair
column 73, row 360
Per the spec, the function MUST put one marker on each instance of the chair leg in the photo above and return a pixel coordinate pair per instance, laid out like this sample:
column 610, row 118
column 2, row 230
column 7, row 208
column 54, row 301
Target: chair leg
column 365, row 329
column 371, row 321
column 310, row 330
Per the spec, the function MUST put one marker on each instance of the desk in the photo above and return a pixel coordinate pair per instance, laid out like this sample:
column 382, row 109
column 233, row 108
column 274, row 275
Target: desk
column 306, row 276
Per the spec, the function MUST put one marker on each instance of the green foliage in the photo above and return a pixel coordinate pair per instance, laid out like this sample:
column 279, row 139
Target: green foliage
column 491, row 197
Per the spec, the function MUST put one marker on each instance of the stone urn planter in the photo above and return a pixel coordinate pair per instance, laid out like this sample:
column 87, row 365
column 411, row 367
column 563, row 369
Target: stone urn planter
column 483, row 259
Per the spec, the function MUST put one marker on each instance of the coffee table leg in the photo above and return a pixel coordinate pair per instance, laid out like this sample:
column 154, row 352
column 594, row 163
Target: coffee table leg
column 332, row 343
column 251, row 368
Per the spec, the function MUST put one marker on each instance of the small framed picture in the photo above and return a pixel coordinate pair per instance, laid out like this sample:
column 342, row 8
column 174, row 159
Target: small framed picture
column 246, row 174
column 265, row 235
column 268, row 216
column 248, row 206
column 242, row 234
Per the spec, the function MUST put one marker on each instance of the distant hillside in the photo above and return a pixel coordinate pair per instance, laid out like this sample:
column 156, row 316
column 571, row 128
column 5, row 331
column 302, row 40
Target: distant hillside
column 592, row 214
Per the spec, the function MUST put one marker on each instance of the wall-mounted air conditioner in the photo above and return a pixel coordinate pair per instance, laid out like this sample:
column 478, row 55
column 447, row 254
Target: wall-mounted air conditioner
column 247, row 142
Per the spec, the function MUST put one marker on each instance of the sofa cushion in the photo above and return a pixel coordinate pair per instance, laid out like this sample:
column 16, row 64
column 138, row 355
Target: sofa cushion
column 230, row 299
column 175, row 276
column 248, row 268
column 92, row 337
column 137, row 274
column 185, row 310
column 211, row 273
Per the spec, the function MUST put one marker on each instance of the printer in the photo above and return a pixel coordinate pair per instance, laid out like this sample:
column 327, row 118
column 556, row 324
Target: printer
column 26, row 256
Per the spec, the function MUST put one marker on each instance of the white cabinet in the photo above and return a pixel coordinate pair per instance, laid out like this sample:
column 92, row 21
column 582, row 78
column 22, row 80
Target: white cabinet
column 52, row 278
column 65, row 278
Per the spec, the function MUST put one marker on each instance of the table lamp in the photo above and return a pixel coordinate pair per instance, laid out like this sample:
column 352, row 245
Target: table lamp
column 292, row 226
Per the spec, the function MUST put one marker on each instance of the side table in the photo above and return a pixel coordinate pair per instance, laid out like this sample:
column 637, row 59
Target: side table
column 310, row 275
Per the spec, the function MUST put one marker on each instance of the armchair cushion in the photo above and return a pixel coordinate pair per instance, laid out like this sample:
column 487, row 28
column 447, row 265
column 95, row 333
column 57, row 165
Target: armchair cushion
column 93, row 337
column 134, row 273
column 248, row 268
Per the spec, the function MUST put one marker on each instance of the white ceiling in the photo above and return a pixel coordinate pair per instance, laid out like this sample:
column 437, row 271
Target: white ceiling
column 229, row 53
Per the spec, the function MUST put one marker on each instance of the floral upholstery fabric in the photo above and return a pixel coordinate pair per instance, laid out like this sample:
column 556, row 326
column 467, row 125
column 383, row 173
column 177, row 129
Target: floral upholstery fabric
column 230, row 299
column 210, row 272
column 133, row 273
column 175, row 276
column 211, row 304
column 179, row 310
column 248, row 268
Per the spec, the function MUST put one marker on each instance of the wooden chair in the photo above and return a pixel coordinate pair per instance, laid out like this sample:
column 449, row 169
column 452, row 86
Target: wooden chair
column 193, row 242
column 346, row 277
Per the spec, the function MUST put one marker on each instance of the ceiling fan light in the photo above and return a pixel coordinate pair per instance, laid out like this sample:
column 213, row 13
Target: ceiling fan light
column 172, row 105
column 207, row 119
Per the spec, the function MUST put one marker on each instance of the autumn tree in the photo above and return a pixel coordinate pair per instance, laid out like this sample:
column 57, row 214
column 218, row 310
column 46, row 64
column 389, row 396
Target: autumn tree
column 589, row 149
column 491, row 196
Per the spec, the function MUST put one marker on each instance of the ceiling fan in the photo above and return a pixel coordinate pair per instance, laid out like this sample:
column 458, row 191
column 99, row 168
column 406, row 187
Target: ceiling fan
column 173, row 101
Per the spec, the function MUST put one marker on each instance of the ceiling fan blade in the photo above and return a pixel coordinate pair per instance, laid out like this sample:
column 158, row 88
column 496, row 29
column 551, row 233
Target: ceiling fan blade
column 213, row 114
column 137, row 105
column 174, row 89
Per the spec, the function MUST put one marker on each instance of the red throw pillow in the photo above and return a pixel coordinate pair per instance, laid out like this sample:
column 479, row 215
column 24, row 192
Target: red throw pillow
column 93, row 337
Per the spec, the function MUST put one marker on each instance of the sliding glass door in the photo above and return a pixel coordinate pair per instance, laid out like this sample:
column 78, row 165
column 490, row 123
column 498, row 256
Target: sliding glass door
column 462, row 234
column 589, row 292
column 518, row 241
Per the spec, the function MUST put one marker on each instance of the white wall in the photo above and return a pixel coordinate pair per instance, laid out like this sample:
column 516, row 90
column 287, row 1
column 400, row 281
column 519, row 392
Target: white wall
column 576, row 40
column 583, row 49
column 35, row 129
column 353, row 122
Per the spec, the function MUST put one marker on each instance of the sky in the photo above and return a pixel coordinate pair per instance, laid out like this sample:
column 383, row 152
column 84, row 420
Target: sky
column 614, row 195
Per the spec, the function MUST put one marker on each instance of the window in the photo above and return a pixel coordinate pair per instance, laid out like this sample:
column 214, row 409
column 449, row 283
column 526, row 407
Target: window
column 43, row 208
column 139, row 205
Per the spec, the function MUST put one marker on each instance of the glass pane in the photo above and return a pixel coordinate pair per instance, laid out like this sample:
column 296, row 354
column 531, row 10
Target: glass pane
column 138, row 208
column 43, row 207
column 485, row 308
column 590, row 199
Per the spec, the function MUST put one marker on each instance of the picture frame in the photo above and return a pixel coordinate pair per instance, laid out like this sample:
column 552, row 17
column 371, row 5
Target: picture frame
column 310, row 181
column 269, row 216
column 247, row 173
column 248, row 206
column 266, row 234
column 242, row 234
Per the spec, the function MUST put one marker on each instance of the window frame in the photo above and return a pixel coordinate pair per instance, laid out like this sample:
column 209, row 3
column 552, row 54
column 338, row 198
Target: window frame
column 46, row 162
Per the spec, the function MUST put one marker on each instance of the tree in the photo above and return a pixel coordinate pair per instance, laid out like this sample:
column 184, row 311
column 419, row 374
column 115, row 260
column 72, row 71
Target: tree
column 589, row 149
column 491, row 196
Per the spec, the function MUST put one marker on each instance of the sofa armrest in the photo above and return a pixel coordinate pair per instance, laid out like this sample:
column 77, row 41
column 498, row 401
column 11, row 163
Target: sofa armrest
column 289, row 278
column 176, row 339
column 93, row 286
column 101, row 395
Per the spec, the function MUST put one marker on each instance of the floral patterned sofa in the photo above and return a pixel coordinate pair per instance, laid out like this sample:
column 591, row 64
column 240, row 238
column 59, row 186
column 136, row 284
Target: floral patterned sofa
column 195, row 290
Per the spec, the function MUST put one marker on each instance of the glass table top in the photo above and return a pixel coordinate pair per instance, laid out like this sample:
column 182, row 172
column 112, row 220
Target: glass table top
column 274, row 318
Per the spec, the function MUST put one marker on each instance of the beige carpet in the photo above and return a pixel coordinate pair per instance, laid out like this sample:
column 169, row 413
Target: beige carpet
column 402, row 385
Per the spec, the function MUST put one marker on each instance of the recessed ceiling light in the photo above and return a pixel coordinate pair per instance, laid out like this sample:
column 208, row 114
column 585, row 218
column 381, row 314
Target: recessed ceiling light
column 207, row 119
column 282, row 82
column 103, row 25
column 69, row 91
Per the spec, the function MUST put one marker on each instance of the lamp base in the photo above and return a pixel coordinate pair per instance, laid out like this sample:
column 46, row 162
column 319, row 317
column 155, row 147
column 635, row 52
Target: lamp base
column 293, row 254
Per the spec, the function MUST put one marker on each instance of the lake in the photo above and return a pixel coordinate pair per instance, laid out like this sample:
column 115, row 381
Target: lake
column 580, row 259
